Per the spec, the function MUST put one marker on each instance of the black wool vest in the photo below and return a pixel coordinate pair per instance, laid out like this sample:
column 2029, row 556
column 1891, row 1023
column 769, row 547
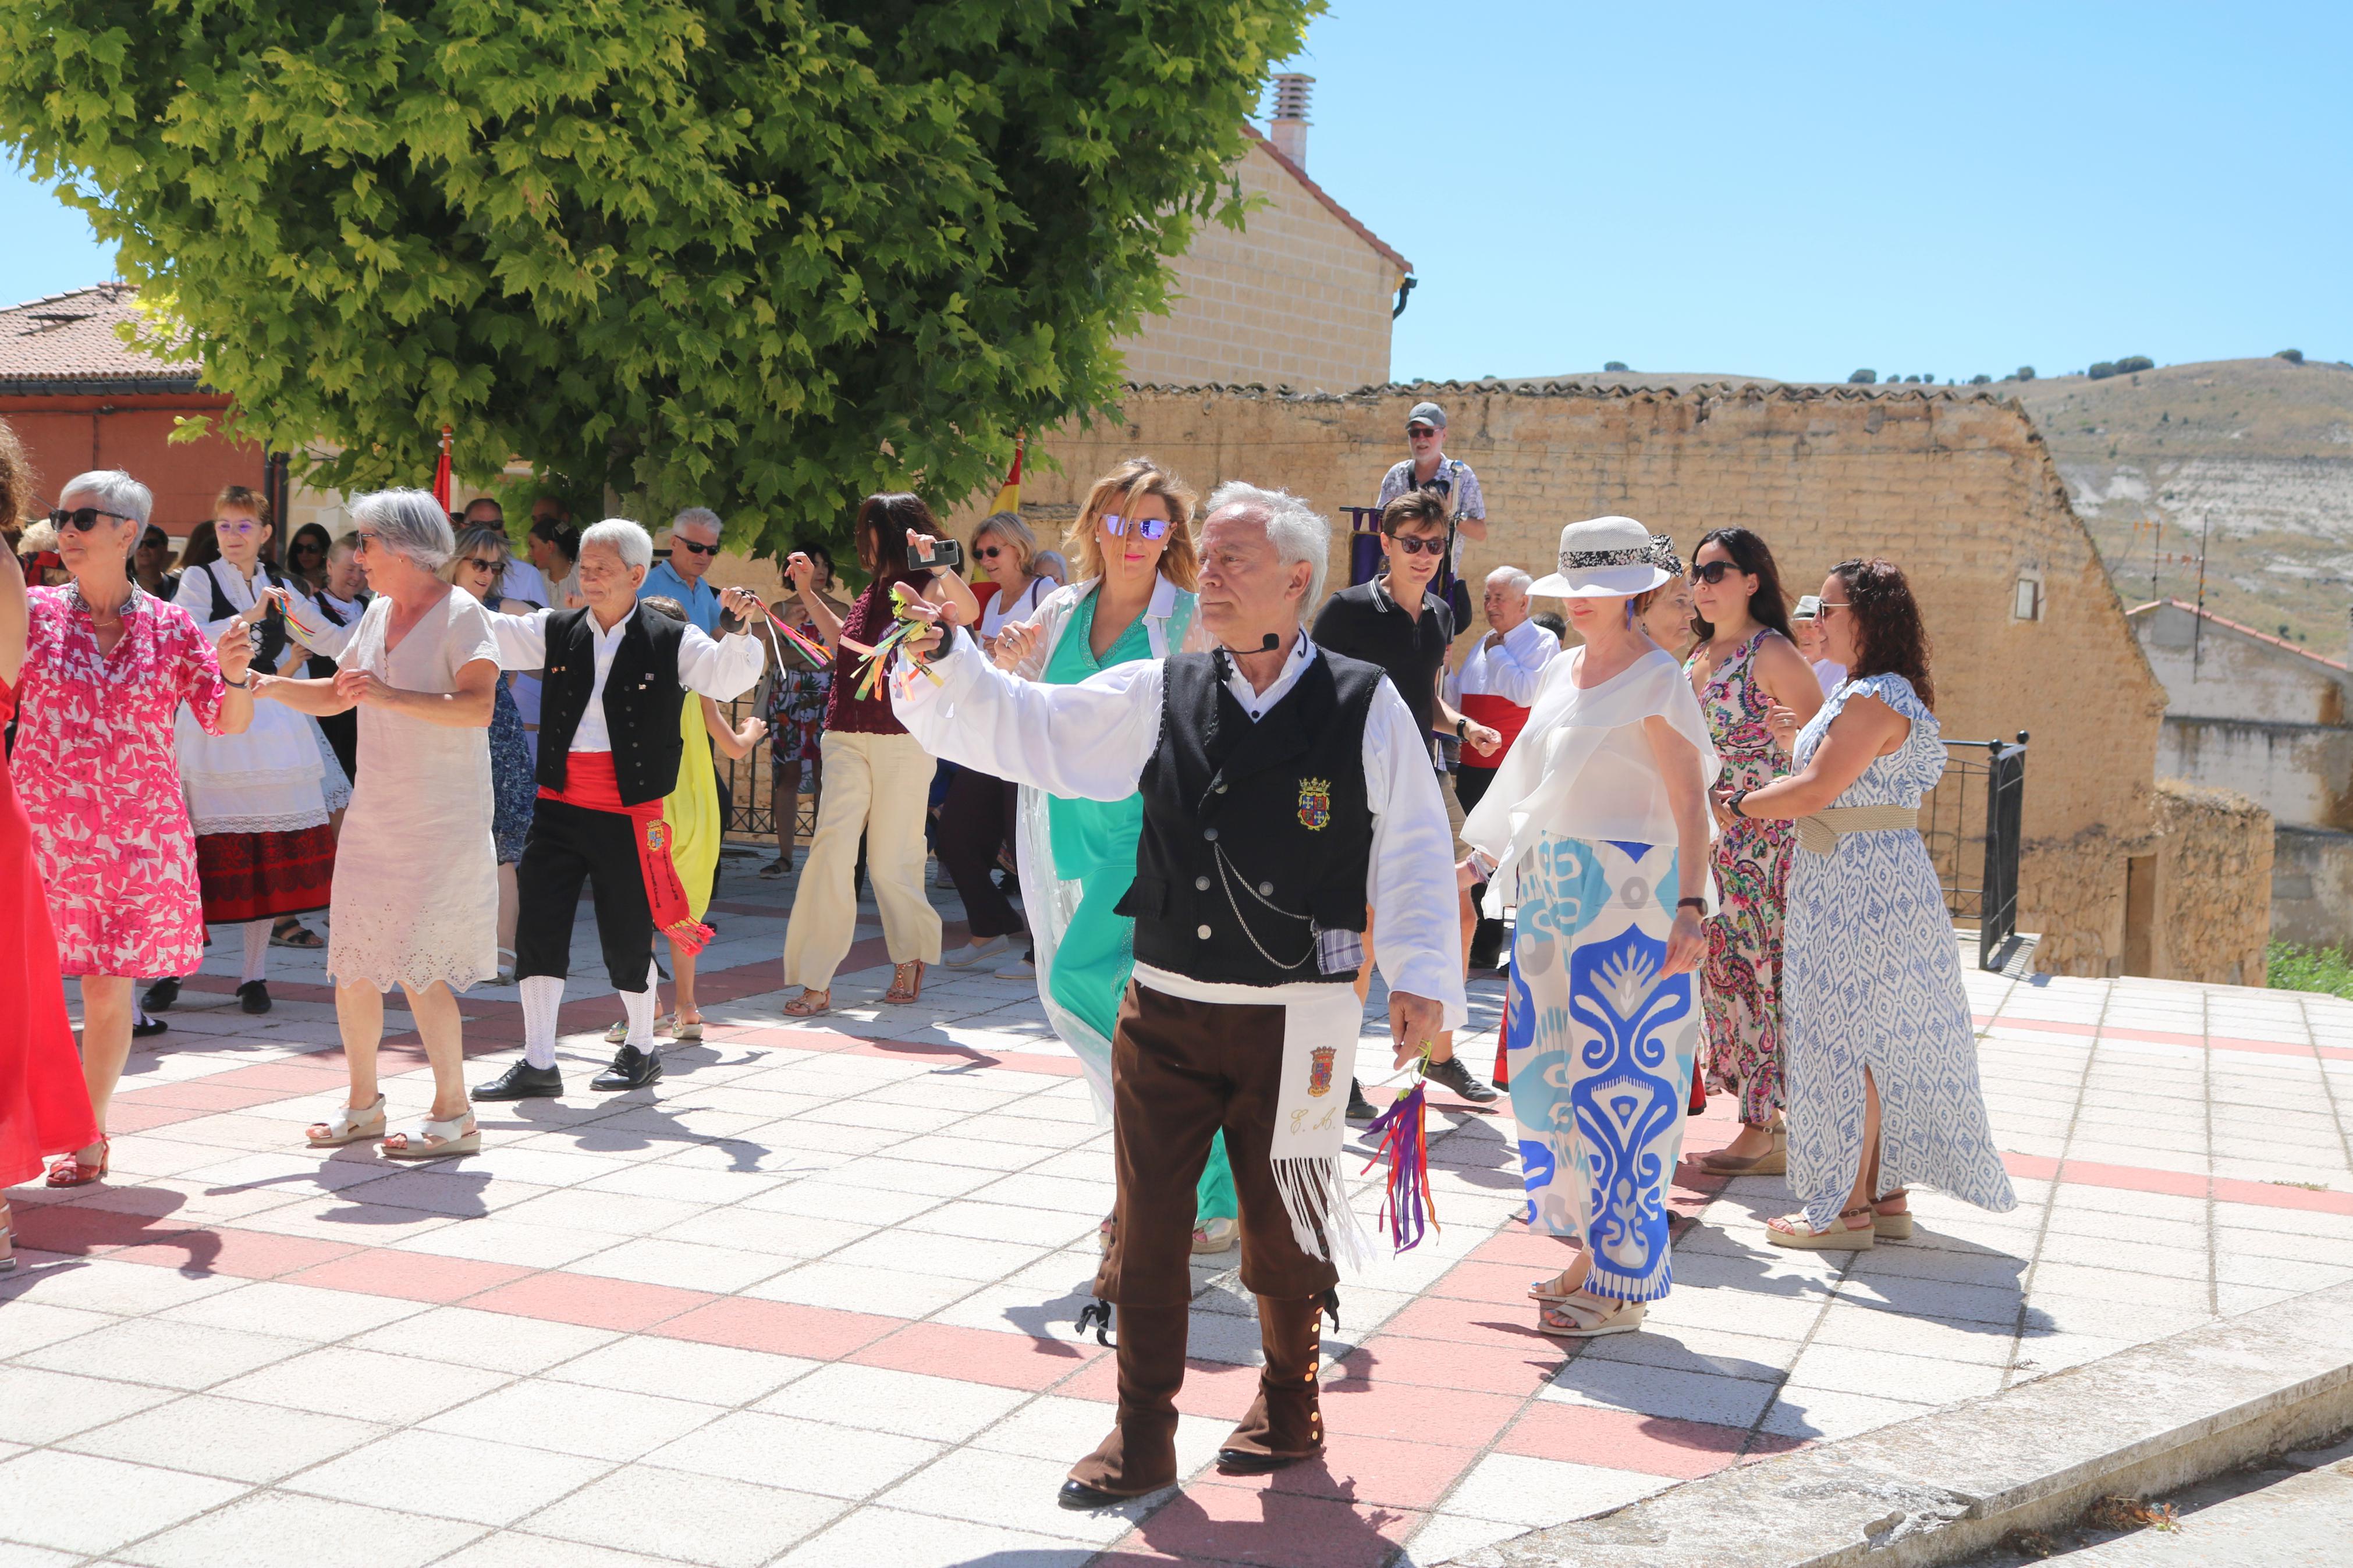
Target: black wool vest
column 272, row 645
column 1254, row 834
column 642, row 701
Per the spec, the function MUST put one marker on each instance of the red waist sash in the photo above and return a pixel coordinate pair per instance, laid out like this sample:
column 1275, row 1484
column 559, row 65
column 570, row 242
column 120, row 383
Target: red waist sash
column 1504, row 717
column 588, row 783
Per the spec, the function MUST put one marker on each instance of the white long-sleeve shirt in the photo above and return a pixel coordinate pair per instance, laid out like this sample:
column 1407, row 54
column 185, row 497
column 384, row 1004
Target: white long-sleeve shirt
column 723, row 670
column 1090, row 742
column 1509, row 670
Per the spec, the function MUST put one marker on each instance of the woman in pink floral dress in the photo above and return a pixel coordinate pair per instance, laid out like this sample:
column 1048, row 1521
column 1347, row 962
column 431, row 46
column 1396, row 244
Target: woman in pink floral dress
column 106, row 666
column 1746, row 662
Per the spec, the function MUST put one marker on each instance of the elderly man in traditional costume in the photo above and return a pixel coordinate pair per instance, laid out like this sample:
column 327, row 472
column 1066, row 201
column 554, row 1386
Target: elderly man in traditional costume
column 1287, row 795
column 610, row 742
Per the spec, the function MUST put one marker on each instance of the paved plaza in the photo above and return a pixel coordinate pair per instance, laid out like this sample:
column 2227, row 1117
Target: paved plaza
column 809, row 1300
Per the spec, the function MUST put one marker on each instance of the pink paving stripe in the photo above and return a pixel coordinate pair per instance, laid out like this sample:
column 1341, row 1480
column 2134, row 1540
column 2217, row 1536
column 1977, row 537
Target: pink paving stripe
column 2179, row 1183
column 2167, row 1037
column 1627, row 1440
column 978, row 1355
column 779, row 1327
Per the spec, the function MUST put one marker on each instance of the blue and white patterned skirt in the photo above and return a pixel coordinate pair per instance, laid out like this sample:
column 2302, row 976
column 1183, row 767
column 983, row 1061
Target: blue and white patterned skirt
column 1600, row 1051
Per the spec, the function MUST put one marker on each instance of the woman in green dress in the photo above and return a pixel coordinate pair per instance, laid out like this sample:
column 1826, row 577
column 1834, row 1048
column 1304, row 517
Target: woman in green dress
column 1134, row 544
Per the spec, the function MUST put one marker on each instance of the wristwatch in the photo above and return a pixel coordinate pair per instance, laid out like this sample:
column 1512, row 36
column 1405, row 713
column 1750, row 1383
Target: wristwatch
column 1699, row 904
column 1462, row 728
column 1732, row 801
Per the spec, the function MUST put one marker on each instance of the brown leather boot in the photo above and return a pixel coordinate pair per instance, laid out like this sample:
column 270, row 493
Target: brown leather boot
column 1140, row 1455
column 1285, row 1423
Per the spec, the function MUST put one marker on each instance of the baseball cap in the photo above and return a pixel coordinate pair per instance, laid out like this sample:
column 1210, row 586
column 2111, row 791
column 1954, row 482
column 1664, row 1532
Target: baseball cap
column 1428, row 413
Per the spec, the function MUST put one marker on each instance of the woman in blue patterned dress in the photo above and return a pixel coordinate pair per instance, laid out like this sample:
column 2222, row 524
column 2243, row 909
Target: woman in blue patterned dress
column 1881, row 1051
column 479, row 568
column 1596, row 826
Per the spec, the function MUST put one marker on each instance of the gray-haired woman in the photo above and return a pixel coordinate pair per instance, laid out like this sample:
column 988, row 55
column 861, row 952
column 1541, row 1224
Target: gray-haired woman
column 415, row 896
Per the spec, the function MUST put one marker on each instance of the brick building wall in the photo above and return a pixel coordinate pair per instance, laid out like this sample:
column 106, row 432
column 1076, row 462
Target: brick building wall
column 1301, row 297
column 1957, row 487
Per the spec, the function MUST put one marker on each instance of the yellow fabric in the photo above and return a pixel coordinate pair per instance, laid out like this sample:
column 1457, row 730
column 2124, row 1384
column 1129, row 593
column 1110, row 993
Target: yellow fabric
column 692, row 810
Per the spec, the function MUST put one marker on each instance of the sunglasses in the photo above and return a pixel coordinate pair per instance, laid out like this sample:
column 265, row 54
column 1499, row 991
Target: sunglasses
column 306, row 548
column 1416, row 431
column 83, row 518
column 990, row 553
column 1827, row 605
column 239, row 529
column 1144, row 527
column 479, row 564
column 697, row 549
column 1712, row 572
column 1416, row 544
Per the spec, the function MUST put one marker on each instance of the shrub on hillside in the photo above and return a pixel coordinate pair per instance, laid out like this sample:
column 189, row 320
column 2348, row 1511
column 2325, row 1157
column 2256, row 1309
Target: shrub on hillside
column 1864, row 378
column 1614, row 364
column 2293, row 356
column 2132, row 363
column 1980, row 380
column 2024, row 373
column 2101, row 371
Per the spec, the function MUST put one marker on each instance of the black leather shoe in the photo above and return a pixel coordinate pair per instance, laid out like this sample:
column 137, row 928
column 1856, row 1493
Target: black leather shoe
column 254, row 997
column 1451, row 1074
column 1081, row 1498
column 631, row 1069
column 147, row 1028
column 1360, row 1110
column 1242, row 1462
column 161, row 995
column 524, row 1081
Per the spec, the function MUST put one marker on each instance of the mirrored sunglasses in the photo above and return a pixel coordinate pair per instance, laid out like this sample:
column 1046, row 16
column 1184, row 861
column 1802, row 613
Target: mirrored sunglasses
column 1145, row 527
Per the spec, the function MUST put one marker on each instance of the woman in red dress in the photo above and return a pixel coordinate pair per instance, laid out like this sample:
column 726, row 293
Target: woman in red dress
column 44, row 1108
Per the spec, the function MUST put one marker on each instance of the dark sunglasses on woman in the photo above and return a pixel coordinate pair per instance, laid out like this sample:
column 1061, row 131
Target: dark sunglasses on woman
column 1145, row 527
column 1712, row 572
column 83, row 518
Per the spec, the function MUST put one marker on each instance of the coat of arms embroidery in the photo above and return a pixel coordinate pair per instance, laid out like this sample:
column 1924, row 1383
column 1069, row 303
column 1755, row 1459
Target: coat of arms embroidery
column 1314, row 804
column 1319, row 1070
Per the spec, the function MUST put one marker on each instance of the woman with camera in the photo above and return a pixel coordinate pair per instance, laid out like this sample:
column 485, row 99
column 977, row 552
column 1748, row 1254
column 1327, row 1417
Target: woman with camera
column 878, row 777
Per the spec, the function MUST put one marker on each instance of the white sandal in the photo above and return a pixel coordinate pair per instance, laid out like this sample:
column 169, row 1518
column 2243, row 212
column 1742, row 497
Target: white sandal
column 352, row 1124
column 1588, row 1317
column 454, row 1138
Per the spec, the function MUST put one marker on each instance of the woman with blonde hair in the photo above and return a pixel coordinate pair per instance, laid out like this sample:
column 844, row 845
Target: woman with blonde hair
column 1135, row 598
column 975, row 821
column 480, row 567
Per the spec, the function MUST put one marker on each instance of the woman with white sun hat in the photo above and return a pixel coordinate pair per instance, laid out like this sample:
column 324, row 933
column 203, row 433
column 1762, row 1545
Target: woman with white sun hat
column 1597, row 828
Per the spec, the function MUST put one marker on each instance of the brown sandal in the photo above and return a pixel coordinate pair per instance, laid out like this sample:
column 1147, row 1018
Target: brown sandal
column 901, row 992
column 809, row 1003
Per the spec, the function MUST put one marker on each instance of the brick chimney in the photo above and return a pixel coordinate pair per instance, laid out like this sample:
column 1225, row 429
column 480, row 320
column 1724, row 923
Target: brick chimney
column 1290, row 125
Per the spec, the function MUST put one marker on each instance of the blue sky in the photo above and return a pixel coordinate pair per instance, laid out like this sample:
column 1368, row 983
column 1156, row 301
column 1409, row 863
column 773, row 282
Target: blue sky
column 1796, row 192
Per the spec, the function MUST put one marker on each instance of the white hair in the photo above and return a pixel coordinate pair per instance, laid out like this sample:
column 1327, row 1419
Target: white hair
column 114, row 491
column 1520, row 582
column 701, row 517
column 1296, row 529
column 627, row 540
column 410, row 523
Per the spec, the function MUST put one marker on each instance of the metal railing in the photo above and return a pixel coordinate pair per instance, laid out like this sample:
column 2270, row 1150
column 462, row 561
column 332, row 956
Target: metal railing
column 1973, row 828
column 747, row 786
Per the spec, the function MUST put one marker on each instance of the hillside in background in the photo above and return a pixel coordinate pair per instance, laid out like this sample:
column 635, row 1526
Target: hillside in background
column 2258, row 451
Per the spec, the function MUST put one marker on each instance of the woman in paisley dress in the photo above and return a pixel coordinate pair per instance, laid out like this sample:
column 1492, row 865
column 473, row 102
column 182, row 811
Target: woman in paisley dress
column 1882, row 1060
column 1134, row 599
column 416, row 897
column 107, row 665
column 1745, row 664
column 480, row 567
column 1597, row 828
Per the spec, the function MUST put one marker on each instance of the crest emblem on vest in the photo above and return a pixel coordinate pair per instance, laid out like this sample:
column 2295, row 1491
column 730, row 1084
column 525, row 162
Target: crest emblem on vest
column 1314, row 804
column 1319, row 1070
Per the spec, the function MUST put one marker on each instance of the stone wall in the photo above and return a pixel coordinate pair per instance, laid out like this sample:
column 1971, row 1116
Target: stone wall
column 2210, row 912
column 1955, row 486
column 1299, row 298
column 2301, row 774
column 2312, row 885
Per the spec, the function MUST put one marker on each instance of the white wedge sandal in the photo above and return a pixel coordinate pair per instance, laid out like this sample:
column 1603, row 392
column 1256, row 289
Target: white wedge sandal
column 352, row 1124
column 431, row 1140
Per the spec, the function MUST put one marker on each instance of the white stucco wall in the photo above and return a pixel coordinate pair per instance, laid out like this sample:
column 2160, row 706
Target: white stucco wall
column 2235, row 675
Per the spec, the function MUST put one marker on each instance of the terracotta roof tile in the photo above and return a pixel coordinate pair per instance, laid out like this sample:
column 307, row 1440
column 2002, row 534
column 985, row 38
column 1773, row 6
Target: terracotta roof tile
column 71, row 339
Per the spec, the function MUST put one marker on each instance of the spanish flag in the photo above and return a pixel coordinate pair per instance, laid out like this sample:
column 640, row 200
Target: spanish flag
column 1008, row 495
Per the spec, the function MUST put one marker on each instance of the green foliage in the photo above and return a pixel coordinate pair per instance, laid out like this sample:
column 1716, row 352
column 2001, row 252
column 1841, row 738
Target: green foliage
column 2134, row 363
column 765, row 255
column 1864, row 378
column 2288, row 967
column 1980, row 379
column 2293, row 356
column 1614, row 365
column 2024, row 373
column 2101, row 371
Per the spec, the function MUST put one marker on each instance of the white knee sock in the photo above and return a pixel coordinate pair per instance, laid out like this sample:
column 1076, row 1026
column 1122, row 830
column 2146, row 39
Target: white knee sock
column 641, row 1005
column 541, row 995
column 256, row 949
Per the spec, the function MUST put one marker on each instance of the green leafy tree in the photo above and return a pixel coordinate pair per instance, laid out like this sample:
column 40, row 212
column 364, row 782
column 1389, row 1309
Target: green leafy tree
column 765, row 255
column 1864, row 378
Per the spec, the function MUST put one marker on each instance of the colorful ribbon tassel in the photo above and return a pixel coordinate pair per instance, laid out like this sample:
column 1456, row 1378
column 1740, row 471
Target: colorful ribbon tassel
column 1406, row 1207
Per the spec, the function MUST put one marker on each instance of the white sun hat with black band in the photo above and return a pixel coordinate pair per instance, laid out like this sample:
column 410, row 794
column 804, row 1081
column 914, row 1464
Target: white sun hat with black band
column 1603, row 558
